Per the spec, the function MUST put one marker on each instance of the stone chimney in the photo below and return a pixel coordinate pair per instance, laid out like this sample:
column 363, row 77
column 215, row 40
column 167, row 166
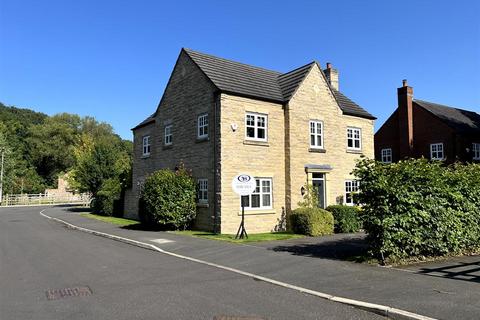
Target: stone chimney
column 405, row 119
column 332, row 76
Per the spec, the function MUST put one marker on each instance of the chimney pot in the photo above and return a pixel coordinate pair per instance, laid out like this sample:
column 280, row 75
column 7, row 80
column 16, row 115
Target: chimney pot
column 329, row 65
column 404, row 81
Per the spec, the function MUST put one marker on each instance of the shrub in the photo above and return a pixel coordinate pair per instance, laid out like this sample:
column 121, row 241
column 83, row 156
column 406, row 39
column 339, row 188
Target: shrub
column 168, row 199
column 311, row 221
column 105, row 202
column 417, row 208
column 346, row 218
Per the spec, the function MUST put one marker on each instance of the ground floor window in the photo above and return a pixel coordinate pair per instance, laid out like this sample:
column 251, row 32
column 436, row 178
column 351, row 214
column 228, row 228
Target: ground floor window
column 351, row 187
column 261, row 198
column 387, row 155
column 476, row 151
column 202, row 190
column 436, row 151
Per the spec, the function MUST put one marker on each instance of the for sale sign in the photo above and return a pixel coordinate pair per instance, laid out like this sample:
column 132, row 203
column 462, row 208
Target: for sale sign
column 244, row 184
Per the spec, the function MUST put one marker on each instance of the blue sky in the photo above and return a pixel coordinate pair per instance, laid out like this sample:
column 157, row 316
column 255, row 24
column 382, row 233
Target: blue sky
column 112, row 59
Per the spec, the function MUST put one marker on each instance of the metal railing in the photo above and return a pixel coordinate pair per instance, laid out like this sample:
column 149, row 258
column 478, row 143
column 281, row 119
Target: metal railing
column 44, row 198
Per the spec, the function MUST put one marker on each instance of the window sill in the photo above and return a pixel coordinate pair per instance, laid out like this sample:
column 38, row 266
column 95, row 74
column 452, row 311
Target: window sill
column 169, row 146
column 256, row 143
column 200, row 140
column 145, row 156
column 202, row 205
column 355, row 151
column 317, row 150
column 257, row 211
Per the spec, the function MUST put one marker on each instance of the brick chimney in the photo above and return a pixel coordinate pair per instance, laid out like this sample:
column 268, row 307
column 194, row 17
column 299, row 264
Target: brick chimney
column 405, row 119
column 332, row 76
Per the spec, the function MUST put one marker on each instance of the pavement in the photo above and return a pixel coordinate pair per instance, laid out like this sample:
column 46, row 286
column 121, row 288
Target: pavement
column 445, row 290
column 48, row 271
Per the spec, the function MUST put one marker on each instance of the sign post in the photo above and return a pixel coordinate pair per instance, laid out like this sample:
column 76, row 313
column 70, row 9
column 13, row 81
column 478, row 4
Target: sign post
column 243, row 185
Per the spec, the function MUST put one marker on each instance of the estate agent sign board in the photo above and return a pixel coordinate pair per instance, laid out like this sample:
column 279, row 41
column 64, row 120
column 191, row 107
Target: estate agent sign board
column 243, row 185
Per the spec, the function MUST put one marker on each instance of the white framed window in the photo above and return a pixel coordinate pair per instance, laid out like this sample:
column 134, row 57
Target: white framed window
column 386, row 155
column 202, row 126
column 256, row 126
column 354, row 138
column 476, row 151
column 316, row 134
column 146, row 146
column 436, row 151
column 202, row 190
column 351, row 187
column 261, row 198
column 168, row 139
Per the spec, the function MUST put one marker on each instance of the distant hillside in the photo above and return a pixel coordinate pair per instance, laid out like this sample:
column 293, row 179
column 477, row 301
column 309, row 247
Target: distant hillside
column 40, row 147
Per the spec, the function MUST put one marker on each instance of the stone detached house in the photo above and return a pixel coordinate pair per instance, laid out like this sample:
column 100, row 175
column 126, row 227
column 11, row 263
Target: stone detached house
column 425, row 129
column 221, row 118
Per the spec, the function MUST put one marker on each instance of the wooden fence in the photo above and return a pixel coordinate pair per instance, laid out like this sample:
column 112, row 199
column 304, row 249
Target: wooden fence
column 44, row 198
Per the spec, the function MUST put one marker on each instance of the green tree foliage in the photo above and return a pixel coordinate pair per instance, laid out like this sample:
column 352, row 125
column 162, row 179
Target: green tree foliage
column 417, row 208
column 168, row 199
column 347, row 218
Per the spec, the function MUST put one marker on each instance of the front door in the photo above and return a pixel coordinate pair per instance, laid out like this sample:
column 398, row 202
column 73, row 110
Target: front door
column 318, row 181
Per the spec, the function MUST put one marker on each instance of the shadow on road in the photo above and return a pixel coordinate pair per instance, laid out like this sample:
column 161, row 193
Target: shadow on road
column 341, row 248
column 459, row 271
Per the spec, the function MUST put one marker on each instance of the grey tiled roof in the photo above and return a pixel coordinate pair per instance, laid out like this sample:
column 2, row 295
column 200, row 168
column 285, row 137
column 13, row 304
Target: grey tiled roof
column 463, row 121
column 349, row 107
column 234, row 77
column 150, row 119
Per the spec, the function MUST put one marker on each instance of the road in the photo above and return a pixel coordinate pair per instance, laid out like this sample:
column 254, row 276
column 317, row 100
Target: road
column 120, row 281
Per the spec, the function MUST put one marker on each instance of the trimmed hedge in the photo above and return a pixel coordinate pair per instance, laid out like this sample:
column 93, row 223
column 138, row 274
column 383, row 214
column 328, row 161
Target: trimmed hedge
column 168, row 199
column 346, row 218
column 311, row 221
column 417, row 208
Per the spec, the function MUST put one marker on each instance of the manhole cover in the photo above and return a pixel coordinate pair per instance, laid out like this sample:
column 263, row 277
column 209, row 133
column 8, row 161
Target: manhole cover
column 55, row 294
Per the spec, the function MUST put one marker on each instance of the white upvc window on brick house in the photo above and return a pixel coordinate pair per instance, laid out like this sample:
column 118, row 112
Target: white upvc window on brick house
column 261, row 198
column 436, row 151
column 316, row 134
column 202, row 191
column 386, row 155
column 354, row 138
column 168, row 139
column 256, row 125
column 476, row 151
column 202, row 126
column 146, row 146
column 351, row 187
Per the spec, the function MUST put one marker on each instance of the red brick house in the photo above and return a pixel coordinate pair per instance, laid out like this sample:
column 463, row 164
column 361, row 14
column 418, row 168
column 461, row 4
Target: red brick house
column 424, row 129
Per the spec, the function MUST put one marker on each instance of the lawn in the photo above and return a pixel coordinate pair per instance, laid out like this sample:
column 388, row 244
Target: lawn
column 271, row 236
column 118, row 221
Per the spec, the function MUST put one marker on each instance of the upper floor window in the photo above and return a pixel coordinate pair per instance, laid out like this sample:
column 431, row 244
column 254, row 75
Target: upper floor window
column 351, row 187
column 202, row 190
column 261, row 198
column 476, row 151
column 316, row 134
column 146, row 146
column 168, row 139
column 202, row 126
column 436, row 151
column 354, row 138
column 256, row 126
column 386, row 155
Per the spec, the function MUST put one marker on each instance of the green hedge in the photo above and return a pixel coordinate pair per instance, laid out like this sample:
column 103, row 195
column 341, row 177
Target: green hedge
column 168, row 199
column 311, row 221
column 346, row 218
column 417, row 208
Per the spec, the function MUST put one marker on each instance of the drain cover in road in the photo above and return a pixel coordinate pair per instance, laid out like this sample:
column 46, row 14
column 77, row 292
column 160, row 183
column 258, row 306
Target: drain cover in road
column 55, row 294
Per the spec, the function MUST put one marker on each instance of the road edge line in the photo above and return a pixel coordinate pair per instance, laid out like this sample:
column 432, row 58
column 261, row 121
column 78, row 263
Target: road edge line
column 390, row 312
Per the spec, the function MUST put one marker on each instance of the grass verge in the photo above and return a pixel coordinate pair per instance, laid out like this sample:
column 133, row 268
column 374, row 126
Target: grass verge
column 231, row 237
column 118, row 221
